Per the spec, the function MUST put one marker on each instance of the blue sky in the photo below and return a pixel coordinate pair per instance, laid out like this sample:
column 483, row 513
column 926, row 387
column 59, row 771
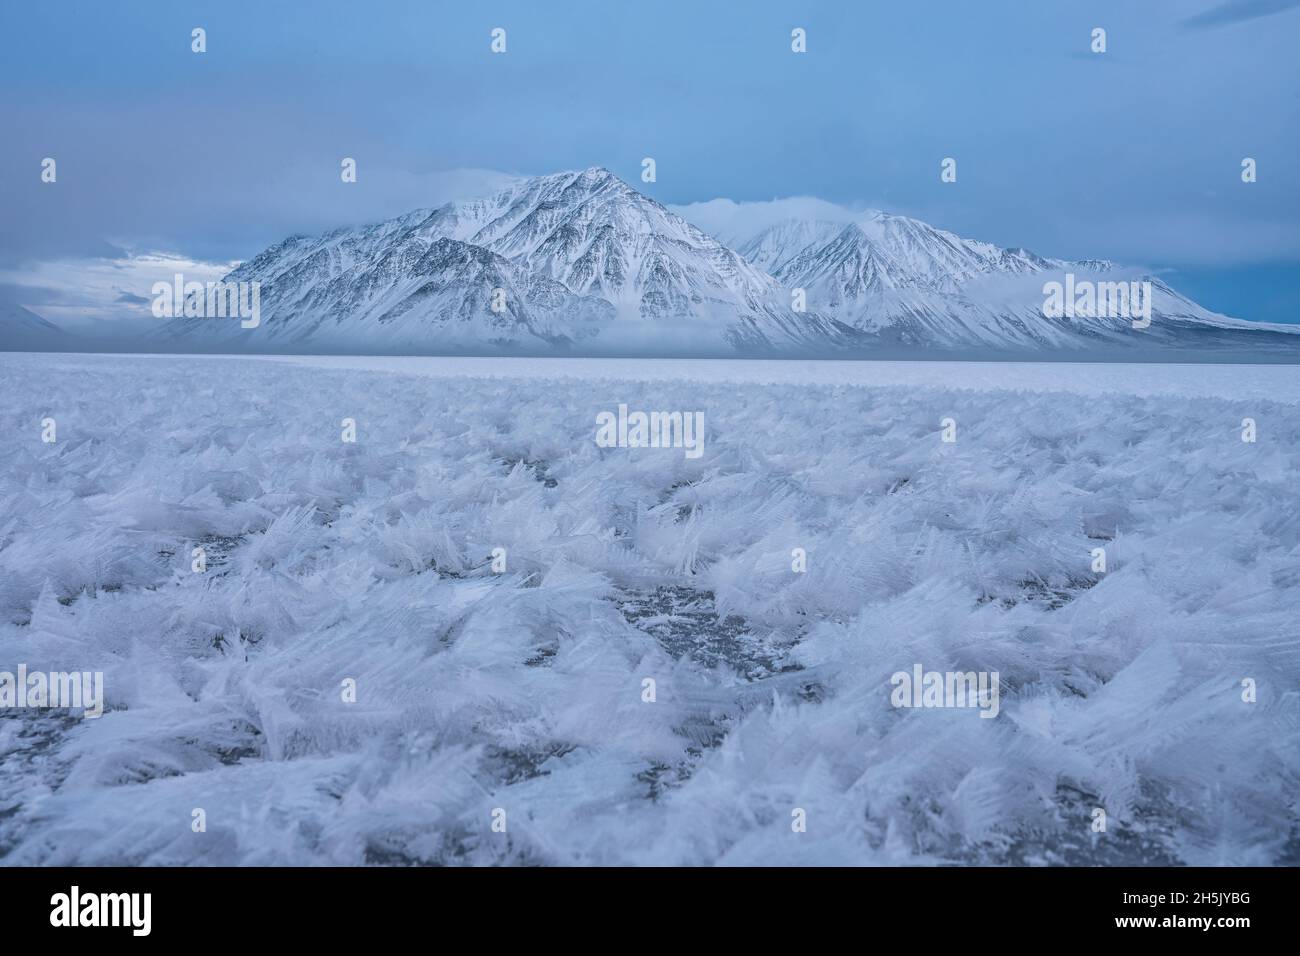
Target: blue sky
column 1132, row 155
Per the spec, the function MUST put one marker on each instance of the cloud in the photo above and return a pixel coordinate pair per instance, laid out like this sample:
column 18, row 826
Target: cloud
column 1238, row 11
column 76, row 292
column 201, row 202
column 733, row 222
column 1150, row 238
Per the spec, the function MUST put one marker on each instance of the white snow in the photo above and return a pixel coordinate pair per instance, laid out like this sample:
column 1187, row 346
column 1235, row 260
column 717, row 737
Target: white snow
column 582, row 262
column 523, row 690
column 1278, row 383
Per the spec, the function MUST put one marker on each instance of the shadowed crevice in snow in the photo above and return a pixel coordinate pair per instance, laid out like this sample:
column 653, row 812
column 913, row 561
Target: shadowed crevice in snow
column 1039, row 593
column 238, row 740
column 28, row 733
column 217, row 549
column 439, row 848
column 461, row 846
column 238, row 641
column 1141, row 839
column 536, row 467
column 513, row 764
column 29, row 751
column 686, row 622
column 1061, row 834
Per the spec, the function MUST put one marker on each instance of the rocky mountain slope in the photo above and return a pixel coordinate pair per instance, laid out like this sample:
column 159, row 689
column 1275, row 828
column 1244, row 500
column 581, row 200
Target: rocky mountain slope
column 581, row 261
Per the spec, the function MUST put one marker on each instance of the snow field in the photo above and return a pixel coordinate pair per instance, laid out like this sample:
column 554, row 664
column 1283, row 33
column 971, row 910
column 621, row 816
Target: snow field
column 524, row 690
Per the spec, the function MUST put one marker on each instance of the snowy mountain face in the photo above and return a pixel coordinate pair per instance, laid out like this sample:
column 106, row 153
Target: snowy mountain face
column 900, row 280
column 774, row 247
column 401, row 285
column 22, row 330
column 567, row 257
column 597, row 235
column 581, row 259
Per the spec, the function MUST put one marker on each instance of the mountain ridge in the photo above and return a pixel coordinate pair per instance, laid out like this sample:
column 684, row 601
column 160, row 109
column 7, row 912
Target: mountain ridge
column 21, row 329
column 581, row 260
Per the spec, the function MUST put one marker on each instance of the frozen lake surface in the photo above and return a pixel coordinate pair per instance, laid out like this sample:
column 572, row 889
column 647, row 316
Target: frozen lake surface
column 520, row 694
column 1279, row 383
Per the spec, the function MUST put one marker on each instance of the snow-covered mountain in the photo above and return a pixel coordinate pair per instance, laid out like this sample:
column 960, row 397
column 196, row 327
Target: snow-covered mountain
column 23, row 330
column 583, row 260
column 899, row 280
column 578, row 255
column 399, row 284
column 597, row 235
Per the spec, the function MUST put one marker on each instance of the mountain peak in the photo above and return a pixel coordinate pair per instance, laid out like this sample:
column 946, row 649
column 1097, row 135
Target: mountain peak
column 565, row 256
column 21, row 328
